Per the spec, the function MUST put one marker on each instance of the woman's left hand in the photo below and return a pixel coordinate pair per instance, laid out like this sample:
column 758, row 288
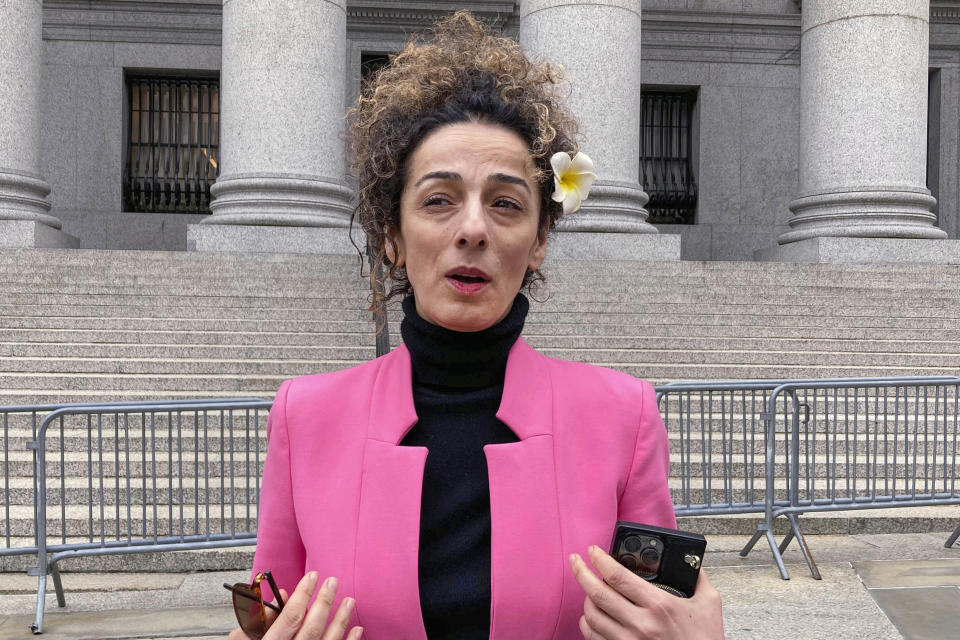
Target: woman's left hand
column 624, row 606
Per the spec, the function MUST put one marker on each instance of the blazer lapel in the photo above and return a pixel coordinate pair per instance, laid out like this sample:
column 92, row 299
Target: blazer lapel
column 527, row 562
column 388, row 527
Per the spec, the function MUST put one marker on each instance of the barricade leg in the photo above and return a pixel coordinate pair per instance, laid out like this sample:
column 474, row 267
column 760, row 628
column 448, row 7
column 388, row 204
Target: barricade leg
column 37, row 626
column 763, row 529
column 58, row 585
column 787, row 539
column 804, row 549
column 953, row 537
column 753, row 541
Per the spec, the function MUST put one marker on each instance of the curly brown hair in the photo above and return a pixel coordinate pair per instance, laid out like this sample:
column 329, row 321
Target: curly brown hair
column 456, row 72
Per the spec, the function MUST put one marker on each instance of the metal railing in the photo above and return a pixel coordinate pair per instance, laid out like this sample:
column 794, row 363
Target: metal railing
column 135, row 477
column 749, row 447
column 864, row 445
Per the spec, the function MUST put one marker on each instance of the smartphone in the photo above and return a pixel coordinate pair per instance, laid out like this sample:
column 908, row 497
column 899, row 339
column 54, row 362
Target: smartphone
column 667, row 558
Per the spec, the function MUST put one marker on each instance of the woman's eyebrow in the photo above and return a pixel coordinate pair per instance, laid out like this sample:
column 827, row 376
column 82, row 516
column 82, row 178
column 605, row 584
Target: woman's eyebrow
column 439, row 175
column 509, row 179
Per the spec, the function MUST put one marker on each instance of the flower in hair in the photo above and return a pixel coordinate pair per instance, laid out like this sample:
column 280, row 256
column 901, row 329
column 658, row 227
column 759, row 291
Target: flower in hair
column 572, row 179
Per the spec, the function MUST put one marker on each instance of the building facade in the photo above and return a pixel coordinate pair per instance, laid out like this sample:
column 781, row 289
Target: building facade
column 721, row 129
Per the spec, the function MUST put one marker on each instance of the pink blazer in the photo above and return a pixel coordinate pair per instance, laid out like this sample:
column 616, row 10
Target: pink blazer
column 340, row 496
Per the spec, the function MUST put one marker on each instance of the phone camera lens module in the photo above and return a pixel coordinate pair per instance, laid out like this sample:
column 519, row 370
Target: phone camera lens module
column 628, row 560
column 650, row 559
column 633, row 544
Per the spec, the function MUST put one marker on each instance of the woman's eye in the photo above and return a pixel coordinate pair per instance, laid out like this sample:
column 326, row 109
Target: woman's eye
column 436, row 200
column 508, row 203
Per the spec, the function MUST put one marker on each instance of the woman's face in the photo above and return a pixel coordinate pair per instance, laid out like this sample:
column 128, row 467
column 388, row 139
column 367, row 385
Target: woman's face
column 469, row 224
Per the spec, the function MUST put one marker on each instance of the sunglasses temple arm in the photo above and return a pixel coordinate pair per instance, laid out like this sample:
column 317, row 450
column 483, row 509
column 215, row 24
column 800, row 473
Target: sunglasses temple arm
column 274, row 607
column 276, row 592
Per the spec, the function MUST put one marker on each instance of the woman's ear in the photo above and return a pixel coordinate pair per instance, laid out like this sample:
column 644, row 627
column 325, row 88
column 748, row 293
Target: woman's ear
column 538, row 253
column 393, row 244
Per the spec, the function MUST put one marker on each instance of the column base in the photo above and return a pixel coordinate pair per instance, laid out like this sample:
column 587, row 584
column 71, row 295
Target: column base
column 613, row 207
column 23, row 234
column 838, row 250
column 272, row 239
column 584, row 245
column 891, row 212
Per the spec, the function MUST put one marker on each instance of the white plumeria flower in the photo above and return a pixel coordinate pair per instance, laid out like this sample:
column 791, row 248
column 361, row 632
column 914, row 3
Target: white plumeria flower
column 572, row 179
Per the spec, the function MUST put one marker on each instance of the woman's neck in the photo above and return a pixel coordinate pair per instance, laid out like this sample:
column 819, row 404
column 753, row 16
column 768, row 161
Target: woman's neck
column 460, row 360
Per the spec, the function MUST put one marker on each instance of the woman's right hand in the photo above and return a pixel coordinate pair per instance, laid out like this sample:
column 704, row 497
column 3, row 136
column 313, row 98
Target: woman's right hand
column 296, row 623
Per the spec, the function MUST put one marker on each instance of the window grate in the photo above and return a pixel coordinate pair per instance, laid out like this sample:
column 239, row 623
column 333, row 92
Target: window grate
column 173, row 144
column 666, row 151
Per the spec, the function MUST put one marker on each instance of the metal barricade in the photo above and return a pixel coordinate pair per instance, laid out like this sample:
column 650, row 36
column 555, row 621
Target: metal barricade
column 718, row 444
column 134, row 477
column 863, row 444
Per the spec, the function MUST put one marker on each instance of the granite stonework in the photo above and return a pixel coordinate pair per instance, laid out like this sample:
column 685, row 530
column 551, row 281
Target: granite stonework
column 741, row 56
column 840, row 250
column 695, row 239
column 31, row 233
column 746, row 168
column 585, row 245
column 604, row 76
column 83, row 114
column 272, row 239
column 24, row 206
column 863, row 68
column 281, row 122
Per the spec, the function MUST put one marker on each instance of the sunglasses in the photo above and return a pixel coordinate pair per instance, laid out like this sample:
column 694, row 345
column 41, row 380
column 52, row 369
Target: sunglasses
column 249, row 606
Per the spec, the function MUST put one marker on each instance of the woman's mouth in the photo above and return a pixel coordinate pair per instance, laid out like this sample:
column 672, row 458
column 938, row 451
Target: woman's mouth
column 467, row 281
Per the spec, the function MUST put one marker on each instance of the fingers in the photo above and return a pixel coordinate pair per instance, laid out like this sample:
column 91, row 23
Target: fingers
column 624, row 581
column 291, row 618
column 316, row 619
column 588, row 632
column 340, row 621
column 271, row 613
column 604, row 596
column 601, row 624
column 704, row 586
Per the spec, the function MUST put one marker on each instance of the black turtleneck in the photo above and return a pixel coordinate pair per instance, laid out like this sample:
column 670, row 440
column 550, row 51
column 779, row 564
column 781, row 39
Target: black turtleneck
column 457, row 385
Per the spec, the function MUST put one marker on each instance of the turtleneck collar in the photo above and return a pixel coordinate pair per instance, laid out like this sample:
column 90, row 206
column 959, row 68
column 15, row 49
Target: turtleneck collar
column 460, row 360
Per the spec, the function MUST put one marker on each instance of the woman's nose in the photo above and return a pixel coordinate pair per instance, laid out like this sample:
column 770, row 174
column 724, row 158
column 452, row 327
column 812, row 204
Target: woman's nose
column 473, row 231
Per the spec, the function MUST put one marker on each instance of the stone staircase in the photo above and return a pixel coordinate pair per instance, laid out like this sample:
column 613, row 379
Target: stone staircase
column 102, row 325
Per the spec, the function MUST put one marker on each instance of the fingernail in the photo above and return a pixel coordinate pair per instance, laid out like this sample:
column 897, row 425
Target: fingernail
column 358, row 633
column 332, row 583
column 573, row 558
column 312, row 578
column 594, row 549
column 348, row 604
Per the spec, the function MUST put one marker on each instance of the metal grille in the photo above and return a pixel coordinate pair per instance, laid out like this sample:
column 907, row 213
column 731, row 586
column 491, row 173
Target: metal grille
column 666, row 150
column 174, row 144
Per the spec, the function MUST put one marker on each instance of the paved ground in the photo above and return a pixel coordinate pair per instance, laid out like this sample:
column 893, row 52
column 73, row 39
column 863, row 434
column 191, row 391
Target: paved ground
column 874, row 587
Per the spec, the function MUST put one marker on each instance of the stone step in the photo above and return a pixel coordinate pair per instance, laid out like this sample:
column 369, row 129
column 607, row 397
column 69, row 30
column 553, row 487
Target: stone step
column 566, row 311
column 561, row 335
column 24, row 388
column 572, row 335
column 57, row 343
column 252, row 361
column 46, row 258
column 103, row 288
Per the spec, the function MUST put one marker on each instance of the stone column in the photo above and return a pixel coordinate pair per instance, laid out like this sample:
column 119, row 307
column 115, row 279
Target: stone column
column 281, row 184
column 24, row 217
column 598, row 44
column 863, row 122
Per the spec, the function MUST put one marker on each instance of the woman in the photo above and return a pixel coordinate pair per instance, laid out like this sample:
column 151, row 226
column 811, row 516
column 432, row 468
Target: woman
column 453, row 485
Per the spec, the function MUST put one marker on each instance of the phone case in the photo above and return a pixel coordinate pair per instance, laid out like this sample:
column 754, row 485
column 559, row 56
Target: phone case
column 679, row 555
